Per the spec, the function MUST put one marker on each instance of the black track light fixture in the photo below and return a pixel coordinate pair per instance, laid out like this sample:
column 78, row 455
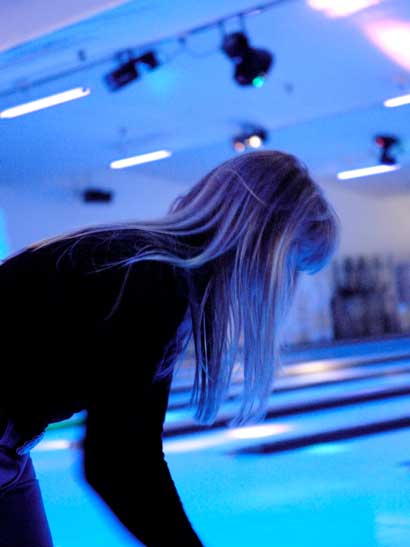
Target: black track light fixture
column 123, row 75
column 251, row 64
column 386, row 143
column 128, row 71
column 250, row 139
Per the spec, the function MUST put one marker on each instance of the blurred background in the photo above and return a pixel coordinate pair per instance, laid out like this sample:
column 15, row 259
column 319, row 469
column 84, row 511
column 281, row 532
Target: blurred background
column 173, row 89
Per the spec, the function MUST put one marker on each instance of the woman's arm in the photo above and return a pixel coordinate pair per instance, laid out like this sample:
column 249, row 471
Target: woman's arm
column 123, row 457
column 125, row 464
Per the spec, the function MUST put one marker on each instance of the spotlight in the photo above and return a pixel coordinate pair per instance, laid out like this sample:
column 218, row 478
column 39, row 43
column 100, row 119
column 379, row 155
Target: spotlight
column 238, row 145
column 128, row 71
column 96, row 195
column 250, row 139
column 386, row 142
column 149, row 59
column 123, row 75
column 251, row 65
column 255, row 141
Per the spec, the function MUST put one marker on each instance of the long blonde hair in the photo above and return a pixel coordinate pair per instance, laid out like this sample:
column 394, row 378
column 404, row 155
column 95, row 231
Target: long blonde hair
column 240, row 235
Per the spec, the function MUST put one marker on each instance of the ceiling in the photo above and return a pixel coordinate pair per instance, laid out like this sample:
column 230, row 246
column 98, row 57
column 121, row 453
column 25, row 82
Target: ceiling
column 30, row 19
column 323, row 99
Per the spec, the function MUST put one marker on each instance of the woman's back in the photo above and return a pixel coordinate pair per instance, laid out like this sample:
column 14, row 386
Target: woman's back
column 70, row 324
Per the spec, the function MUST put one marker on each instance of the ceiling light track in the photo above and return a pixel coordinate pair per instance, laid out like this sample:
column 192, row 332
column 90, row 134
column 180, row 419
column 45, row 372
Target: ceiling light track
column 142, row 49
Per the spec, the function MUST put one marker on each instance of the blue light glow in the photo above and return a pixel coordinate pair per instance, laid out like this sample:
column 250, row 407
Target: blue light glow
column 258, row 81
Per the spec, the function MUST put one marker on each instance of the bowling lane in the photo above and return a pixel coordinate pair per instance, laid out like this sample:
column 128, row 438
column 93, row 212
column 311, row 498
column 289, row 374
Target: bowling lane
column 323, row 390
column 356, row 492
column 238, row 491
column 288, row 498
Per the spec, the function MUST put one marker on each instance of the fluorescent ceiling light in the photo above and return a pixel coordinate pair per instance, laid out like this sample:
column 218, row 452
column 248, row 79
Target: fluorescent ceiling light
column 142, row 158
column 365, row 171
column 45, row 102
column 397, row 101
column 341, row 8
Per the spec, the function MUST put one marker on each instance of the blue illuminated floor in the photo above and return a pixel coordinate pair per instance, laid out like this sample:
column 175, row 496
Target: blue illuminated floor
column 354, row 493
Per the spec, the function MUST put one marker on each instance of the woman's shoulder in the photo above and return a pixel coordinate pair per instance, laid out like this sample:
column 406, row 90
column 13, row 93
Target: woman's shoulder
column 100, row 258
column 85, row 249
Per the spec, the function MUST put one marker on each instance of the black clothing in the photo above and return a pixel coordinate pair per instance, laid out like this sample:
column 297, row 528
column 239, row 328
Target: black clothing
column 78, row 335
column 23, row 522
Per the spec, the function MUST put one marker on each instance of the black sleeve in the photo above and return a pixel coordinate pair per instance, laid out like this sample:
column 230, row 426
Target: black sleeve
column 124, row 460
